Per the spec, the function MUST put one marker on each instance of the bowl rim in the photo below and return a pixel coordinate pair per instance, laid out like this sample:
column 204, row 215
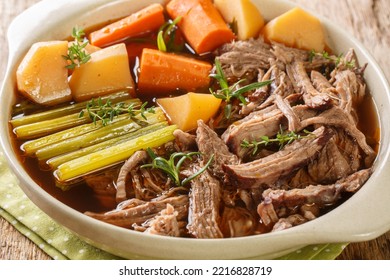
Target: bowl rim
column 309, row 233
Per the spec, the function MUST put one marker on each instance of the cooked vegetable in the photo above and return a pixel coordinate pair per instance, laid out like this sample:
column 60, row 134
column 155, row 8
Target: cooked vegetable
column 187, row 109
column 107, row 71
column 113, row 155
column 296, row 28
column 147, row 19
column 42, row 76
column 202, row 25
column 77, row 53
column 162, row 73
column 58, row 160
column 30, row 147
column 64, row 110
column 243, row 15
column 113, row 130
column 172, row 166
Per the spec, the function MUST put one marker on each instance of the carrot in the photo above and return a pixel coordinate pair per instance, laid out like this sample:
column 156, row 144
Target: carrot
column 201, row 23
column 147, row 19
column 162, row 73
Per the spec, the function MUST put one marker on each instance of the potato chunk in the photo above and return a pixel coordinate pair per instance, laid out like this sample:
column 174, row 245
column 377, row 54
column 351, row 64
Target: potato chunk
column 42, row 75
column 244, row 13
column 107, row 71
column 187, row 109
column 296, row 28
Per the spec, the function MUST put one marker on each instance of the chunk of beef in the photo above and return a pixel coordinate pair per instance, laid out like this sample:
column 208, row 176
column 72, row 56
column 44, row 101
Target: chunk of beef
column 126, row 168
column 210, row 144
column 205, row 199
column 266, row 122
column 312, row 98
column 185, row 141
column 280, row 164
column 135, row 211
column 241, row 57
column 164, row 223
column 321, row 195
column 237, row 221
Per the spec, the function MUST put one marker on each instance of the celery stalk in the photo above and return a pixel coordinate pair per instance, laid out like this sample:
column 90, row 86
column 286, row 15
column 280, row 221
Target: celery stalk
column 112, row 155
column 58, row 160
column 32, row 146
column 67, row 110
column 110, row 131
column 45, row 127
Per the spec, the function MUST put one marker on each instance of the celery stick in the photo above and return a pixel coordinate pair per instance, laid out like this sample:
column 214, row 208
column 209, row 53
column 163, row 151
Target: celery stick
column 45, row 127
column 58, row 160
column 112, row 155
column 69, row 109
column 31, row 147
column 110, row 131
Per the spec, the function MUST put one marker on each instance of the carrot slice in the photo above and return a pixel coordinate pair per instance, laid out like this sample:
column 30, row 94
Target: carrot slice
column 201, row 23
column 147, row 19
column 163, row 73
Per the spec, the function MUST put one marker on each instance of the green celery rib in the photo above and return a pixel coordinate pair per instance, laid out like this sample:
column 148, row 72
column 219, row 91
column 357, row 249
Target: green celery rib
column 110, row 131
column 67, row 110
column 32, row 146
column 46, row 127
column 112, row 155
column 58, row 160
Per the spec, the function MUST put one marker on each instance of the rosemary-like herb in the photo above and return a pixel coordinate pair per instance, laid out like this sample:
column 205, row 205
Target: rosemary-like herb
column 76, row 50
column 335, row 59
column 98, row 110
column 166, row 36
column 282, row 139
column 173, row 165
column 228, row 93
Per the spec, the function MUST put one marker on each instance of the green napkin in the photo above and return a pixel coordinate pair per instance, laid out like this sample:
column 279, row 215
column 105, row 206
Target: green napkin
column 61, row 244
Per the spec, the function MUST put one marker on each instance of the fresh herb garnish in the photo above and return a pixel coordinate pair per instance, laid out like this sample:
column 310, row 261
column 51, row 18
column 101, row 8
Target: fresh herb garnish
column 105, row 112
column 166, row 36
column 229, row 93
column 76, row 50
column 282, row 139
column 172, row 165
column 335, row 59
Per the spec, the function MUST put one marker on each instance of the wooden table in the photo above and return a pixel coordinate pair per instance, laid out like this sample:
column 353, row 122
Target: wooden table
column 367, row 20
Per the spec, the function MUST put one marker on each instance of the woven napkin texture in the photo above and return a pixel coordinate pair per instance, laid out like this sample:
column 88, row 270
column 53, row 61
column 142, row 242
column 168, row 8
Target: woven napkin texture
column 61, row 244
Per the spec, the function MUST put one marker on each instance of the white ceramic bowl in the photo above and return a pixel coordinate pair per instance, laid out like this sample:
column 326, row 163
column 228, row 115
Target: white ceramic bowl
column 363, row 217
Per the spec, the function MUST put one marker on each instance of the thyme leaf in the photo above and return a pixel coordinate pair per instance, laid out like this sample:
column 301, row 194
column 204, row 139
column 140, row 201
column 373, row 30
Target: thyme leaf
column 281, row 139
column 106, row 112
column 173, row 165
column 229, row 93
column 76, row 50
column 335, row 59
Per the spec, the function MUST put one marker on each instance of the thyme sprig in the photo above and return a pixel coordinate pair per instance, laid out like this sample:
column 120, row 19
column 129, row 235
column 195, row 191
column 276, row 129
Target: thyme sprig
column 335, row 59
column 281, row 139
column 229, row 93
column 76, row 50
column 98, row 110
column 166, row 36
column 173, row 165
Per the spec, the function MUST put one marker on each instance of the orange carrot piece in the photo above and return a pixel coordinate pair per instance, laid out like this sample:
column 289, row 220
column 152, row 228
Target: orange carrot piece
column 201, row 23
column 162, row 73
column 147, row 19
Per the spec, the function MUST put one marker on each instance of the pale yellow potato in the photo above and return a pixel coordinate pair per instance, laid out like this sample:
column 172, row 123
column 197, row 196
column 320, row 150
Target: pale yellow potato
column 42, row 75
column 246, row 15
column 296, row 28
column 185, row 110
column 107, row 71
